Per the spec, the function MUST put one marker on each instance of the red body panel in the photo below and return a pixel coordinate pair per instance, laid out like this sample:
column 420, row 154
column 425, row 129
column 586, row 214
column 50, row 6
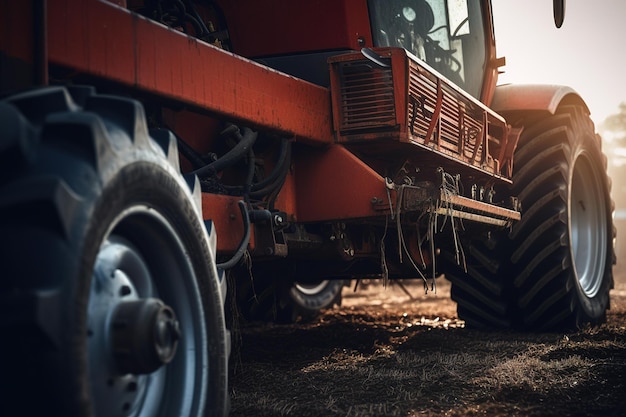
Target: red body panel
column 22, row 59
column 338, row 186
column 226, row 217
column 106, row 41
column 270, row 27
column 545, row 98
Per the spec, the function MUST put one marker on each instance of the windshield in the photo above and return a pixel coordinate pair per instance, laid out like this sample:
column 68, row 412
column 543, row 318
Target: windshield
column 446, row 34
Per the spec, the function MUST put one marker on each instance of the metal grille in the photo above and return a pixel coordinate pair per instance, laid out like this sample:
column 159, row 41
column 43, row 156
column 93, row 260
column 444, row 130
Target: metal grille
column 367, row 97
column 432, row 112
column 458, row 130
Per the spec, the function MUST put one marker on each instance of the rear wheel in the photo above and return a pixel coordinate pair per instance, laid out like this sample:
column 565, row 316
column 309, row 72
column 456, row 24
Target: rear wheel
column 562, row 249
column 114, row 300
column 478, row 286
column 553, row 270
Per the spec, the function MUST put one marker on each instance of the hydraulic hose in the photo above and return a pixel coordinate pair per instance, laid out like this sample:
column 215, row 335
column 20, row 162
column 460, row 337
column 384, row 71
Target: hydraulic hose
column 250, row 176
column 243, row 245
column 269, row 183
column 240, row 150
column 284, row 158
column 279, row 180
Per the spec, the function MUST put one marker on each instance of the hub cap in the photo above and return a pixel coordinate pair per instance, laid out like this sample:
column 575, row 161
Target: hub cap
column 145, row 322
column 588, row 227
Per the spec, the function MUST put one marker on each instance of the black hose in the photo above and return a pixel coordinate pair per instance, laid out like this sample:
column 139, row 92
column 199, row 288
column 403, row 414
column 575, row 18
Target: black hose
column 281, row 175
column 222, row 34
column 284, row 158
column 197, row 25
column 249, row 177
column 268, row 183
column 243, row 245
column 239, row 151
column 204, row 31
column 274, row 193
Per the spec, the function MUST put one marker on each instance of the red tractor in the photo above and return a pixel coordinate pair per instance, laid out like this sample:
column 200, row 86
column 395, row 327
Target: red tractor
column 155, row 152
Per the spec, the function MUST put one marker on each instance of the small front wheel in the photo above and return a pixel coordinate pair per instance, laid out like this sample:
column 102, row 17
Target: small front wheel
column 273, row 294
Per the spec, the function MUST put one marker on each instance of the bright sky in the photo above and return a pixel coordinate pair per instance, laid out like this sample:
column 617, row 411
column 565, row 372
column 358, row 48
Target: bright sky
column 588, row 53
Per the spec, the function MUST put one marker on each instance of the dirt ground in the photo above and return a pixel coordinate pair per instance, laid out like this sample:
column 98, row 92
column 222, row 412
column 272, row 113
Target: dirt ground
column 391, row 352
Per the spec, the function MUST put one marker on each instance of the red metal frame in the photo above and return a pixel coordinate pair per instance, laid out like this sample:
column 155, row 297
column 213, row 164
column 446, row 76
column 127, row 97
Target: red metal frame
column 490, row 78
column 336, row 185
column 103, row 40
column 283, row 27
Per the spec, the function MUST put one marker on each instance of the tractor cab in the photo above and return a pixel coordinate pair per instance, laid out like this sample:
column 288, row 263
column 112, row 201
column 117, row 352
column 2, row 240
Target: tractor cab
column 453, row 37
column 448, row 35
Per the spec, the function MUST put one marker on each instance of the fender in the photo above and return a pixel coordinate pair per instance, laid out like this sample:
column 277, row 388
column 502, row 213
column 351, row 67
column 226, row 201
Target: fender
column 539, row 98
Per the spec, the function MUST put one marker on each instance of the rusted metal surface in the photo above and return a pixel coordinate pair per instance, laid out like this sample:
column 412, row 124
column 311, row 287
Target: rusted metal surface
column 476, row 210
column 103, row 40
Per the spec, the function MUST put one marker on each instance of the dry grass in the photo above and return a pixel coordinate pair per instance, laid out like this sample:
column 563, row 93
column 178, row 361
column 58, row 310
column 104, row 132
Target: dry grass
column 397, row 356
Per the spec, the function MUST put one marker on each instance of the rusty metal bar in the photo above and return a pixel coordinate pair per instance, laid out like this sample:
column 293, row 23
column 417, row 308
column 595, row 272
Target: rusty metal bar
column 478, row 208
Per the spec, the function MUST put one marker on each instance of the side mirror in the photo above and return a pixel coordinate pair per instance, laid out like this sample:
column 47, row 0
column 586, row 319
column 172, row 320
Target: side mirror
column 378, row 60
column 559, row 12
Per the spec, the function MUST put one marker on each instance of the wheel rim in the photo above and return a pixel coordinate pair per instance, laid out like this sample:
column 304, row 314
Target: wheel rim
column 143, row 258
column 311, row 289
column 588, row 227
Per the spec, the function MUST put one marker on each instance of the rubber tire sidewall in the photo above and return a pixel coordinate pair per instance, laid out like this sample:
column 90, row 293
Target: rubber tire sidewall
column 310, row 304
column 56, row 240
column 165, row 195
column 593, row 308
column 571, row 132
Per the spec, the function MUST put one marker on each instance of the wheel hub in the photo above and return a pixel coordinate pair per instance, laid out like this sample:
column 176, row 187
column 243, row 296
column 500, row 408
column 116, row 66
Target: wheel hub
column 144, row 335
column 140, row 362
column 588, row 229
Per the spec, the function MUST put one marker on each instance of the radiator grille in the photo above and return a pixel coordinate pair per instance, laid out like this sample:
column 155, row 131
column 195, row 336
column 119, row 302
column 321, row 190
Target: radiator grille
column 411, row 103
column 458, row 131
column 367, row 97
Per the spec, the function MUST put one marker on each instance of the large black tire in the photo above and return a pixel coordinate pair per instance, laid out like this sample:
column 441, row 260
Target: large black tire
column 97, row 224
column 553, row 270
column 562, row 250
column 271, row 296
column 478, row 286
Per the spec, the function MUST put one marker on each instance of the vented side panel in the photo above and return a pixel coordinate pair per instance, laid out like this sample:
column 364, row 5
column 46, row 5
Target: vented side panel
column 411, row 103
column 458, row 131
column 367, row 97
